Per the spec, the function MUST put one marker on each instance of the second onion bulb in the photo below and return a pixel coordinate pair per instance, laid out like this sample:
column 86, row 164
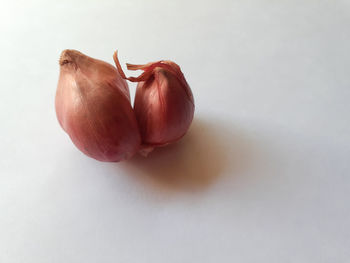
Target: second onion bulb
column 164, row 104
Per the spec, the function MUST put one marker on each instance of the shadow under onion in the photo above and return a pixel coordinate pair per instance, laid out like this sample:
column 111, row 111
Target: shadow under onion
column 195, row 162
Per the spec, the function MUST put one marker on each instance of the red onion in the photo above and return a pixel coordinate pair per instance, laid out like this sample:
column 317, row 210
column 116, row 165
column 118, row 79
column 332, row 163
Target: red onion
column 93, row 107
column 163, row 105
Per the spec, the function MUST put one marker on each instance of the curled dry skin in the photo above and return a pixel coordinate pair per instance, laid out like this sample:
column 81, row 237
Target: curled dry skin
column 93, row 107
column 164, row 105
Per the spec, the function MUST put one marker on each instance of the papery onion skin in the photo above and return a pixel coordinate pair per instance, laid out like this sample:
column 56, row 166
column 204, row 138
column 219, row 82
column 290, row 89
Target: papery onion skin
column 164, row 104
column 93, row 106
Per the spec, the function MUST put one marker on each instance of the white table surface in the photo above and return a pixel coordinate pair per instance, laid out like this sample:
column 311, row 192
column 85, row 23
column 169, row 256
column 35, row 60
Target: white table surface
column 263, row 174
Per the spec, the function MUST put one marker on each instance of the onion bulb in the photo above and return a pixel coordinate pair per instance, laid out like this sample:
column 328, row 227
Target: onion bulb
column 163, row 105
column 93, row 106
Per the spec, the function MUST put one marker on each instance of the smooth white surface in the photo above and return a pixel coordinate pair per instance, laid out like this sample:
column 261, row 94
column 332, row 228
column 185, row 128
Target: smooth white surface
column 262, row 176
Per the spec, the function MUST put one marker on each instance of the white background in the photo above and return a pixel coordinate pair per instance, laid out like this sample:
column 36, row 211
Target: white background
column 263, row 174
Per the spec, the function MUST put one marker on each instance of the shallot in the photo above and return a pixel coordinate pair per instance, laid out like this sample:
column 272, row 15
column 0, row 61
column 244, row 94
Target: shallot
column 163, row 105
column 93, row 107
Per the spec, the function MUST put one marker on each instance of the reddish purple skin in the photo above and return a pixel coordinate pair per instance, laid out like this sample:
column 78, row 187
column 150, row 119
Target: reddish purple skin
column 93, row 107
column 164, row 105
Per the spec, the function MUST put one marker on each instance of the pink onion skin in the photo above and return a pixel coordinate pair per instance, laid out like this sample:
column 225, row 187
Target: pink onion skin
column 164, row 104
column 93, row 106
